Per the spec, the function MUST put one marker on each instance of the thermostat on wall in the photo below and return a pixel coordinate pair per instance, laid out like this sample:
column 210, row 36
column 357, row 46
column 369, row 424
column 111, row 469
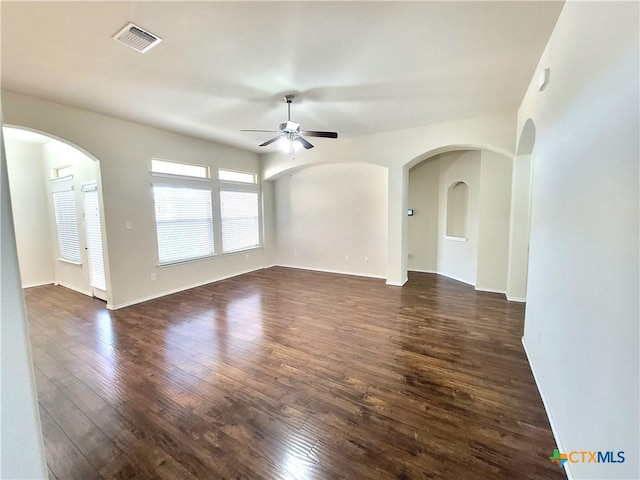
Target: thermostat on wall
column 410, row 212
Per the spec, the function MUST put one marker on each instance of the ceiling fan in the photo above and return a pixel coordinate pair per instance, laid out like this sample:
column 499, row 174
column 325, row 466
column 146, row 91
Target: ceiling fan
column 291, row 133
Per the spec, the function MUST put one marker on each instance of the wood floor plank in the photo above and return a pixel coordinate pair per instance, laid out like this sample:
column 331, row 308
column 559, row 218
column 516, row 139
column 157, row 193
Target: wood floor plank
column 89, row 439
column 283, row 374
column 63, row 457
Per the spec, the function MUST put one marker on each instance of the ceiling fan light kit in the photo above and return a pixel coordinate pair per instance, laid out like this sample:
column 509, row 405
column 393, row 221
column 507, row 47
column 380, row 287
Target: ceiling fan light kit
column 289, row 136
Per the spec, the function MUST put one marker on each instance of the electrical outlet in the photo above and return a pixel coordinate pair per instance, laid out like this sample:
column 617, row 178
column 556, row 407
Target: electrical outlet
column 246, row 257
column 295, row 253
column 153, row 276
column 128, row 225
column 366, row 259
column 346, row 258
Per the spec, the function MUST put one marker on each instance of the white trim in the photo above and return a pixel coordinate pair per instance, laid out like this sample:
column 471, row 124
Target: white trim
column 490, row 290
column 37, row 284
column 61, row 179
column 175, row 176
column 179, row 289
column 456, row 239
column 396, row 284
column 456, row 279
column 545, row 403
column 64, row 260
column 421, row 271
column 324, row 270
column 186, row 260
column 88, row 293
column 247, row 249
column 516, row 299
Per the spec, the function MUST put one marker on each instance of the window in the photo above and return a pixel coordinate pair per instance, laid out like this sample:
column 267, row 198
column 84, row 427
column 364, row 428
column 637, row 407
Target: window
column 184, row 223
column 240, row 177
column 62, row 172
column 240, row 221
column 457, row 201
column 182, row 169
column 64, row 205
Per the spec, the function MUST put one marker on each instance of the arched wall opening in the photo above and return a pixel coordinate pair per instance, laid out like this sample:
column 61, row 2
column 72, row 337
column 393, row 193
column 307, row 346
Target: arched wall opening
column 58, row 212
column 460, row 226
column 520, row 220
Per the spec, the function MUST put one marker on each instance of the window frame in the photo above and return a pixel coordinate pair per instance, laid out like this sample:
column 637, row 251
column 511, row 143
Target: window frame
column 61, row 254
column 186, row 182
column 206, row 177
column 225, row 186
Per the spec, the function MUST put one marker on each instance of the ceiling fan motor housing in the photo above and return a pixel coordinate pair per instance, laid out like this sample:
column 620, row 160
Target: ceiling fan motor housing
column 290, row 127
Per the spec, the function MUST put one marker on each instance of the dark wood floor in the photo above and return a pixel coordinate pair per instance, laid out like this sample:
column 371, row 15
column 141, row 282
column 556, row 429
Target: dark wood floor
column 284, row 374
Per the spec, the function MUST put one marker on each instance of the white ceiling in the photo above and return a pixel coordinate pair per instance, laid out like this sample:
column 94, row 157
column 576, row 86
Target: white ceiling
column 358, row 67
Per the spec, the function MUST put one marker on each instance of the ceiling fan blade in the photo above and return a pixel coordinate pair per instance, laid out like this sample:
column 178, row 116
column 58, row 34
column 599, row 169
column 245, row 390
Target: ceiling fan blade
column 265, row 131
column 312, row 133
column 269, row 142
column 304, row 142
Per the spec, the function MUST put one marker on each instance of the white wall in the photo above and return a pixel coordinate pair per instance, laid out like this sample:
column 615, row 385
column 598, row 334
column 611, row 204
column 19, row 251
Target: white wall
column 493, row 222
column 519, row 229
column 581, row 327
column 22, row 454
column 326, row 212
column 30, row 212
column 423, row 225
column 85, row 170
column 124, row 150
column 399, row 151
column 459, row 259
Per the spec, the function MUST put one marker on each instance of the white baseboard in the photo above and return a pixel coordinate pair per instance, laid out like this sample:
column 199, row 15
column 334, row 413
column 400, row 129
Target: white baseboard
column 455, row 278
column 37, row 284
column 324, row 270
column 547, row 409
column 516, row 299
column 176, row 290
column 396, row 284
column 88, row 293
column 421, row 271
column 491, row 290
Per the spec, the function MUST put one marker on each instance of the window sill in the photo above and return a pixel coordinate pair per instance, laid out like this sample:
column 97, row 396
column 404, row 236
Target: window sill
column 248, row 249
column 64, row 260
column 187, row 260
column 456, row 239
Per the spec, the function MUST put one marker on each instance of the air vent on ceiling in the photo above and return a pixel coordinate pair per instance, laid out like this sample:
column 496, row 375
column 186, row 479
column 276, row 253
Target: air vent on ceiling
column 137, row 38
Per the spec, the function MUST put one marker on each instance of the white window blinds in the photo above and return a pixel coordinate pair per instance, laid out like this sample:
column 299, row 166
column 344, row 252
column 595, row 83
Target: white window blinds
column 184, row 223
column 64, row 204
column 93, row 232
column 240, row 224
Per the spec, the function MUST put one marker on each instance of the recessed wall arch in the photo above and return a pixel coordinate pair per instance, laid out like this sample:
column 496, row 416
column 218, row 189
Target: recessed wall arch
column 457, row 208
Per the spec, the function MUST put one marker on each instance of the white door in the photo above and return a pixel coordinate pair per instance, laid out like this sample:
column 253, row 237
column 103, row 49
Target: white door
column 93, row 232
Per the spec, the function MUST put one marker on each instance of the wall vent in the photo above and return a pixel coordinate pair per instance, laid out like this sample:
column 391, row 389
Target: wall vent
column 137, row 38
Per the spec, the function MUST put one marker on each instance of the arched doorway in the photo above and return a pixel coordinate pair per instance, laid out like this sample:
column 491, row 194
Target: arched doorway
column 521, row 214
column 57, row 209
column 460, row 226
